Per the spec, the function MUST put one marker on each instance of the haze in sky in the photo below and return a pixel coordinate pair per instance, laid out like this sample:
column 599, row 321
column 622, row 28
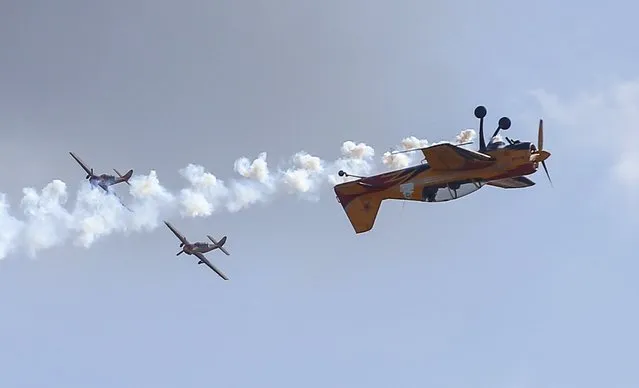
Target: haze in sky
column 235, row 118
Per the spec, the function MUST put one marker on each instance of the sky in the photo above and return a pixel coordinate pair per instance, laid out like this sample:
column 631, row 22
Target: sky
column 503, row 288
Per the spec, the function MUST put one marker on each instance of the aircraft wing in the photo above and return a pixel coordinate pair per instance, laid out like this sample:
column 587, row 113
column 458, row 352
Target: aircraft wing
column 122, row 203
column 84, row 166
column 177, row 234
column 208, row 263
column 103, row 187
column 448, row 156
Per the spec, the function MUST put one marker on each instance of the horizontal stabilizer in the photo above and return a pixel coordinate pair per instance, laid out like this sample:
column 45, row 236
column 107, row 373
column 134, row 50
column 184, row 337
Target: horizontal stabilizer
column 512, row 183
column 124, row 178
column 220, row 244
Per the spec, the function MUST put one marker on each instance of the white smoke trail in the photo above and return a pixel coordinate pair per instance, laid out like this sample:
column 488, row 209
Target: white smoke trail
column 47, row 221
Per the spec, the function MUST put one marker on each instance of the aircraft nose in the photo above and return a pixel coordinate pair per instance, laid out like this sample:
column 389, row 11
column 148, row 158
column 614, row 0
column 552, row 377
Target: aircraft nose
column 539, row 156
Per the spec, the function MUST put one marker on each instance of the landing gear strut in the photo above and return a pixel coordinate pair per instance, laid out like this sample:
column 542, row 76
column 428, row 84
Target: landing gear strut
column 429, row 194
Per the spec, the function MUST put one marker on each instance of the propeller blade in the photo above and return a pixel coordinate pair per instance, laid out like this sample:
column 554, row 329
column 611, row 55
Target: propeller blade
column 543, row 163
column 180, row 252
column 540, row 140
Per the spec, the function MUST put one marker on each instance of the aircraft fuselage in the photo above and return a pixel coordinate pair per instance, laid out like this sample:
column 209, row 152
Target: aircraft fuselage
column 199, row 247
column 103, row 181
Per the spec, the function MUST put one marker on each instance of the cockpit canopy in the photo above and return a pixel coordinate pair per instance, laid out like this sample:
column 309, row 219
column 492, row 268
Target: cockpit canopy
column 495, row 143
column 498, row 142
column 450, row 191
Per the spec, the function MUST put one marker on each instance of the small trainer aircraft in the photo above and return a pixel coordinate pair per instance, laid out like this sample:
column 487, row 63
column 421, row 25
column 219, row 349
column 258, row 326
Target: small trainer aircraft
column 199, row 248
column 450, row 172
column 103, row 181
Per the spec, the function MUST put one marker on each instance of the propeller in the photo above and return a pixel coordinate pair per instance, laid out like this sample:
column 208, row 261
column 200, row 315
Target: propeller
column 540, row 155
column 90, row 174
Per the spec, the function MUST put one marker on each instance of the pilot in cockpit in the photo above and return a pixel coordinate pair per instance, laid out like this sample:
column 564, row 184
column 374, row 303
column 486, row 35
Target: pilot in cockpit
column 495, row 143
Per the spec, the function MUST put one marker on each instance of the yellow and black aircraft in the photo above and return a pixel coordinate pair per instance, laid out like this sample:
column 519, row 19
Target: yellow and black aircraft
column 450, row 172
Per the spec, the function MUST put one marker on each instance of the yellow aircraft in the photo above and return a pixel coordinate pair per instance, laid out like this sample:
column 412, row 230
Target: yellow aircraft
column 450, row 172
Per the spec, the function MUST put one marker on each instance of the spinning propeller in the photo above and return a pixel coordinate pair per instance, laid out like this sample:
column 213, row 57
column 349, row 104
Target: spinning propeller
column 540, row 155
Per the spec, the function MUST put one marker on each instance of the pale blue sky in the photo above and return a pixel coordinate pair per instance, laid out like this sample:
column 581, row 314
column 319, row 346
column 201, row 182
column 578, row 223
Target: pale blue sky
column 514, row 289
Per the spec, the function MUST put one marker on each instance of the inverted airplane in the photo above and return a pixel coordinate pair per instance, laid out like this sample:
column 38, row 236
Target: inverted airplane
column 104, row 181
column 450, row 172
column 199, row 248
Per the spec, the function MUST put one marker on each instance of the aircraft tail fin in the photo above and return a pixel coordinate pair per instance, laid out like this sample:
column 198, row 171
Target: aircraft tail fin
column 125, row 177
column 361, row 210
column 220, row 244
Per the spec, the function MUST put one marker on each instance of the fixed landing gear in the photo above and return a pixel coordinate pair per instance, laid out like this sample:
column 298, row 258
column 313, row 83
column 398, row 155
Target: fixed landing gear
column 429, row 193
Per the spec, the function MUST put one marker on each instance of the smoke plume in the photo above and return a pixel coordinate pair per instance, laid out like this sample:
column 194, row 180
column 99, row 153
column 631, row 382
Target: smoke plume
column 51, row 217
